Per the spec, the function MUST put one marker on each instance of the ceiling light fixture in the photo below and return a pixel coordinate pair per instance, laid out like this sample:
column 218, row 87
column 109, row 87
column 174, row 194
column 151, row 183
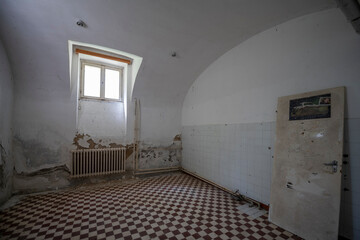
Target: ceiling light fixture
column 81, row 23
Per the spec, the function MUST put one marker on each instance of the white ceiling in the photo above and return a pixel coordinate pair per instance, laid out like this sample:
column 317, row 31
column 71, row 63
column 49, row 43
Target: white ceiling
column 35, row 34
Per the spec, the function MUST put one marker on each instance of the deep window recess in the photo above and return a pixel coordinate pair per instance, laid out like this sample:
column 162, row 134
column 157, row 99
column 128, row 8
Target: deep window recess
column 100, row 82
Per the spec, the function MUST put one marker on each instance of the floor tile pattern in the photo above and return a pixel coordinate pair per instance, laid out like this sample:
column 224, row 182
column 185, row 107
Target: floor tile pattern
column 174, row 206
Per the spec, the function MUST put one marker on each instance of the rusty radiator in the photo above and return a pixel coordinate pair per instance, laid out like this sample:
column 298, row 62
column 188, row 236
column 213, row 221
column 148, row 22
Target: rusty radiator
column 94, row 162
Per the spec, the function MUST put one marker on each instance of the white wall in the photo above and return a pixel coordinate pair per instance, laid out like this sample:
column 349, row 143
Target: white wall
column 48, row 124
column 102, row 119
column 313, row 52
column 36, row 36
column 6, row 111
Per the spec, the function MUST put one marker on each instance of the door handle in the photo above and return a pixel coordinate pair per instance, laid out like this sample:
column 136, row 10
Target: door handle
column 334, row 165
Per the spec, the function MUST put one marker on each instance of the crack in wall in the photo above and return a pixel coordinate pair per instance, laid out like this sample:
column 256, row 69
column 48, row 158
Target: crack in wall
column 44, row 171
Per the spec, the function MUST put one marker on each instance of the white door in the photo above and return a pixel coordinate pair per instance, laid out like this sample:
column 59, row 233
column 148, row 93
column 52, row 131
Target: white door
column 306, row 176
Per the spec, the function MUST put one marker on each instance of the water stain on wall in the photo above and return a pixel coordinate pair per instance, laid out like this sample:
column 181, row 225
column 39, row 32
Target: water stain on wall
column 160, row 156
column 43, row 168
column 34, row 153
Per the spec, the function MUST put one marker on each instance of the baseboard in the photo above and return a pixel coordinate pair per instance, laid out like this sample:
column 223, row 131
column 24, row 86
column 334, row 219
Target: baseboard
column 262, row 205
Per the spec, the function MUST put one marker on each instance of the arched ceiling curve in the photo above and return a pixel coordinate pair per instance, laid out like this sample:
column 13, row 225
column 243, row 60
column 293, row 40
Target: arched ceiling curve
column 35, row 35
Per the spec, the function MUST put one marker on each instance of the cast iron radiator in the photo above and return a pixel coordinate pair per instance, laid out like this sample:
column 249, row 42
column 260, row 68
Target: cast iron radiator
column 94, row 162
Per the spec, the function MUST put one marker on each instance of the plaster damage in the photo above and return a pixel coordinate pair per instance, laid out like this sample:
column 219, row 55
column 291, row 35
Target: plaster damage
column 85, row 141
column 45, row 110
column 150, row 155
column 40, row 166
column 43, row 163
column 161, row 157
column 32, row 155
column 44, row 179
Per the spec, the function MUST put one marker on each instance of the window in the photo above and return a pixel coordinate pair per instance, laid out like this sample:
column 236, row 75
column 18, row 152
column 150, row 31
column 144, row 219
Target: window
column 99, row 81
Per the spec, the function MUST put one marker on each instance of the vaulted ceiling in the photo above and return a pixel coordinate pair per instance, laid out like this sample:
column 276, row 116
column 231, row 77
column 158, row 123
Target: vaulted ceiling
column 35, row 35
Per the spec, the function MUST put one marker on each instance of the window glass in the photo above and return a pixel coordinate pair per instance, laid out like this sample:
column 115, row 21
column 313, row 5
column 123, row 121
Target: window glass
column 112, row 84
column 92, row 76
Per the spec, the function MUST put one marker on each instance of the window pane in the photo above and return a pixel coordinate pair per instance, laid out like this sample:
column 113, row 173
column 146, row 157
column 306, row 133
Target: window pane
column 92, row 77
column 112, row 81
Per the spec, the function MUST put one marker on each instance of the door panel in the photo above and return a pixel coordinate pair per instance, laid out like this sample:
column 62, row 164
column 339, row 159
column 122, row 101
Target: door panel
column 306, row 176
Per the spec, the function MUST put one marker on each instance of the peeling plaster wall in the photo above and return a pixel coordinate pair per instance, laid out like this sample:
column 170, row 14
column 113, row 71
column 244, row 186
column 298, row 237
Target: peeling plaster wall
column 160, row 146
column 49, row 124
column 103, row 119
column 161, row 157
column 241, row 88
column 45, row 110
column 6, row 112
column 41, row 143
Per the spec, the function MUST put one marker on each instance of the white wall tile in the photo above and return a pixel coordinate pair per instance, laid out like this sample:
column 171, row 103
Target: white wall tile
column 233, row 155
column 237, row 156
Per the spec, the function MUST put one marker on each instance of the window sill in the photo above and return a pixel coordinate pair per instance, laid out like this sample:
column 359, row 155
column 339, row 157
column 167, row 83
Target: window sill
column 100, row 99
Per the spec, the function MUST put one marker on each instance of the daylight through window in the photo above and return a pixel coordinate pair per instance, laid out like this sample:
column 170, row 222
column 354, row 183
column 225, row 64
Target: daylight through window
column 101, row 82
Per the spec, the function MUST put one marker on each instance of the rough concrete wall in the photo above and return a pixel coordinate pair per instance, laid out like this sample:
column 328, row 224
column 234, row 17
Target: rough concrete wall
column 314, row 52
column 6, row 111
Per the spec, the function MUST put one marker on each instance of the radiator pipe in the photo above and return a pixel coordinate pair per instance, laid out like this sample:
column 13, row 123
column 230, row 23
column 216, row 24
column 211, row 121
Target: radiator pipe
column 136, row 134
column 151, row 171
column 156, row 169
column 236, row 194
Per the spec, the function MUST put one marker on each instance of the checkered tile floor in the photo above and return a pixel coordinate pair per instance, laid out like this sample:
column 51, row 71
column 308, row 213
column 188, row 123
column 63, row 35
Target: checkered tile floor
column 167, row 207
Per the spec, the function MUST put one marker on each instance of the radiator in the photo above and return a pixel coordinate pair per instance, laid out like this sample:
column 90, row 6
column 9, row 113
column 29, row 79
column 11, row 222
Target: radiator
column 94, row 162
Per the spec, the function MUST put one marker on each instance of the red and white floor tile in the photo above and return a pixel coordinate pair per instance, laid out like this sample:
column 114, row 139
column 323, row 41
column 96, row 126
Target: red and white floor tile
column 174, row 206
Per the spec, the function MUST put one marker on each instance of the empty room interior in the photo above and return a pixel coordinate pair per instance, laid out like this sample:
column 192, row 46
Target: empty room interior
column 165, row 119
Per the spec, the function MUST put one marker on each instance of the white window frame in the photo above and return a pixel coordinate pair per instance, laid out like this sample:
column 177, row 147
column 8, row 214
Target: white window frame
column 102, row 66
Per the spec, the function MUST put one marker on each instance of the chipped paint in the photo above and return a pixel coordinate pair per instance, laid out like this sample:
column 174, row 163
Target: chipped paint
column 160, row 156
column 85, row 141
column 41, row 169
column 79, row 139
column 177, row 137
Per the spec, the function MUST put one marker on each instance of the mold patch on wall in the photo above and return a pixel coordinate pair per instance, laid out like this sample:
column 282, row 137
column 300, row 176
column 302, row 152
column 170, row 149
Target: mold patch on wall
column 40, row 167
column 45, row 179
column 159, row 156
column 32, row 154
